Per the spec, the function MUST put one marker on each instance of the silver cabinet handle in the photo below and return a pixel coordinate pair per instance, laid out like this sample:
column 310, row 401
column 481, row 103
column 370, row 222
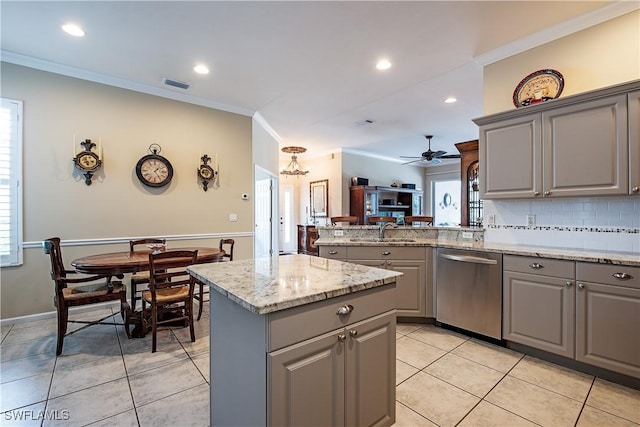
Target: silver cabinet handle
column 388, row 262
column 342, row 337
column 469, row 258
column 569, row 284
column 333, row 252
column 535, row 265
column 581, row 285
column 635, row 189
column 382, row 263
column 622, row 276
column 353, row 332
column 385, row 253
column 536, row 193
column 546, row 193
column 345, row 309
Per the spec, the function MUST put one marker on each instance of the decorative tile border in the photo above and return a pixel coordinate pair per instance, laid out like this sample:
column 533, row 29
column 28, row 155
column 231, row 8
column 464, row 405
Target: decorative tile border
column 560, row 228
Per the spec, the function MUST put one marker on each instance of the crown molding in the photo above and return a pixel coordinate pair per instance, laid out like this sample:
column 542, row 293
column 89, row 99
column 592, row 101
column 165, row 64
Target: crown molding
column 266, row 126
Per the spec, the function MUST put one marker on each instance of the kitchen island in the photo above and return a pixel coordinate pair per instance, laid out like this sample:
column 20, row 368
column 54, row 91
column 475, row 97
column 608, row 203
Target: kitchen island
column 298, row 340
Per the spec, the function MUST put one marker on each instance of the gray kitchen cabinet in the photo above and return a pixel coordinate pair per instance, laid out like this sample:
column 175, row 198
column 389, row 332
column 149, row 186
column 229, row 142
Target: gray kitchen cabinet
column 334, row 252
column 550, row 149
column 634, row 142
column 344, row 377
column 412, row 287
column 608, row 317
column 539, row 303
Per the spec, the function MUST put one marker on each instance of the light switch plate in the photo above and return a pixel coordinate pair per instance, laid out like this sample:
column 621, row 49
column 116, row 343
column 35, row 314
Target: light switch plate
column 233, row 217
column 338, row 233
column 531, row 220
column 467, row 235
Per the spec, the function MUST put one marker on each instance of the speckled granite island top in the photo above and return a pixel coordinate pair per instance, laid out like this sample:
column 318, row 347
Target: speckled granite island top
column 266, row 285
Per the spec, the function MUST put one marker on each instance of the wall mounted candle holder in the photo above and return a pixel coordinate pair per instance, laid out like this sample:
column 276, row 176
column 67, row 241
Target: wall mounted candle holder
column 87, row 161
column 206, row 173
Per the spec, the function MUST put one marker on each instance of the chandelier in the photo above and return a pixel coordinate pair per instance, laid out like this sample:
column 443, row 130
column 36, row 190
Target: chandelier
column 294, row 167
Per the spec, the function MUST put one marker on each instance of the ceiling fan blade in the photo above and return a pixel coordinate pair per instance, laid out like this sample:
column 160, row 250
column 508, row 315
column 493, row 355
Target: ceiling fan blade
column 412, row 161
column 439, row 153
column 410, row 157
column 450, row 156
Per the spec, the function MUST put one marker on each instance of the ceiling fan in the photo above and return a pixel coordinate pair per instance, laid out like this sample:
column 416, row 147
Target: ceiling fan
column 430, row 156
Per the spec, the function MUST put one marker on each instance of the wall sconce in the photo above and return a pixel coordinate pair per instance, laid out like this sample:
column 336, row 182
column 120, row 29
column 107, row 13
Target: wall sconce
column 86, row 160
column 294, row 168
column 206, row 172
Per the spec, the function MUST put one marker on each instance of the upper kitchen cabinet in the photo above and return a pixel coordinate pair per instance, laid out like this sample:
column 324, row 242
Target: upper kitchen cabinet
column 634, row 142
column 574, row 146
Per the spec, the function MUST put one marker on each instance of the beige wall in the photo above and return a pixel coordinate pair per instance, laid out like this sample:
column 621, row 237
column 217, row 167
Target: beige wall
column 117, row 206
column 600, row 56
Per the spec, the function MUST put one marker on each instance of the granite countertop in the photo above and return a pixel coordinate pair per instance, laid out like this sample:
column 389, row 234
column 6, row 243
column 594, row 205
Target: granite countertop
column 267, row 285
column 597, row 256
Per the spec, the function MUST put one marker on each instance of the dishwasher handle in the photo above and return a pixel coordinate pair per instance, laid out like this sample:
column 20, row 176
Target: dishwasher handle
column 469, row 258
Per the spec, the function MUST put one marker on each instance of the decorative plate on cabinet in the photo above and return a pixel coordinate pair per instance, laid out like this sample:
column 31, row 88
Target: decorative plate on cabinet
column 537, row 87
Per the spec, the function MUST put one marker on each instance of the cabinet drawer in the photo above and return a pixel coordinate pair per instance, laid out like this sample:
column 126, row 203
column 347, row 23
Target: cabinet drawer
column 618, row 275
column 540, row 266
column 334, row 252
column 385, row 252
column 303, row 322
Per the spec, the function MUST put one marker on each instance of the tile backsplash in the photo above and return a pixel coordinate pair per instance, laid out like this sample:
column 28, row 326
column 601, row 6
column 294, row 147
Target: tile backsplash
column 604, row 223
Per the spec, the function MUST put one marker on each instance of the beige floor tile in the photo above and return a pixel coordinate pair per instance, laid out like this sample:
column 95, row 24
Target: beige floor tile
column 564, row 381
column 4, row 330
column 166, row 380
column 20, row 349
column 78, row 377
column 406, row 328
column 498, row 358
column 438, row 337
column 16, row 369
column 187, row 408
column 486, row 414
column 416, row 353
column 592, row 417
column 91, row 404
column 30, row 333
column 23, row 392
column 28, row 416
column 404, row 371
column 463, row 373
column 138, row 357
column 615, row 399
column 124, row 419
column 405, row 417
column 202, row 362
column 441, row 403
column 534, row 403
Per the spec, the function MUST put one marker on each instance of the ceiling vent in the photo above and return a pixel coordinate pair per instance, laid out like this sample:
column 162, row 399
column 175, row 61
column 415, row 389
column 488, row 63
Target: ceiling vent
column 176, row 83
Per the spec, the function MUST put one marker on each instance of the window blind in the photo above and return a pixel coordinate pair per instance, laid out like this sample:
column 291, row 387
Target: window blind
column 10, row 183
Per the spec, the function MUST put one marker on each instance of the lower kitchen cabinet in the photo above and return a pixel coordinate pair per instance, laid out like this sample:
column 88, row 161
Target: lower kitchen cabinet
column 608, row 317
column 539, row 303
column 334, row 252
column 344, row 377
column 411, row 288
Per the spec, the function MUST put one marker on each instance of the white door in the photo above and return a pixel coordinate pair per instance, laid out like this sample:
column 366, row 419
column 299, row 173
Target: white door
column 287, row 239
column 265, row 196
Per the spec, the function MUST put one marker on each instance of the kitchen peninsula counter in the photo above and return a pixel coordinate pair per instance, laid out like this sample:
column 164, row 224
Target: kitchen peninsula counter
column 298, row 339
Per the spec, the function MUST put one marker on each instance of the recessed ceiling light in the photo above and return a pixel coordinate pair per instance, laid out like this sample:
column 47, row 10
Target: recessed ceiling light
column 74, row 30
column 383, row 64
column 201, row 69
column 450, row 100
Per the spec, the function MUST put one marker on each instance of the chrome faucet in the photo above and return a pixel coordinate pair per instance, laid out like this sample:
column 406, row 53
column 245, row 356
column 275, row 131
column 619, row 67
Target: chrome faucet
column 383, row 226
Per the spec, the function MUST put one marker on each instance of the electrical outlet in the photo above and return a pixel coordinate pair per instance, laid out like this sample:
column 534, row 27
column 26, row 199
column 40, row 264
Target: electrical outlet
column 531, row 220
column 491, row 220
column 467, row 235
column 233, row 217
column 338, row 233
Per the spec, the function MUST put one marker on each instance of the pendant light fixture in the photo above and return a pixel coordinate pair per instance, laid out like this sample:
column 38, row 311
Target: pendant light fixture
column 294, row 167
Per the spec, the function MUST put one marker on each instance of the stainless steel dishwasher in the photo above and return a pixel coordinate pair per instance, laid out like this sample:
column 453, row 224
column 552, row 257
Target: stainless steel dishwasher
column 469, row 291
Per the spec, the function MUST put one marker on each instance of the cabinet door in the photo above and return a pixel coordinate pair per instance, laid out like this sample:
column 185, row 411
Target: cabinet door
column 371, row 372
column 634, row 142
column 585, row 148
column 306, row 383
column 510, row 154
column 539, row 311
column 333, row 252
column 608, row 327
column 410, row 288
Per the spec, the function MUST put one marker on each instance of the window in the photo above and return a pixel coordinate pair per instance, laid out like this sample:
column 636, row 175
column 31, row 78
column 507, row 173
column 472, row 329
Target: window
column 446, row 203
column 10, row 183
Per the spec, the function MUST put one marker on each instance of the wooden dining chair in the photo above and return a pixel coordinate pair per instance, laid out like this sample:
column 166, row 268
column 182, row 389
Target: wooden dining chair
column 376, row 219
column 170, row 291
column 351, row 220
column 426, row 220
column 142, row 277
column 225, row 245
column 94, row 289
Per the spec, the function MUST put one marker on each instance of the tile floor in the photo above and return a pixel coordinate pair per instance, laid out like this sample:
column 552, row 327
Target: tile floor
column 443, row 379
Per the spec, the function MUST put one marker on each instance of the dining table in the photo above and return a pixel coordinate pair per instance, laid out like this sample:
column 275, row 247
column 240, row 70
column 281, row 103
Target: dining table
column 118, row 263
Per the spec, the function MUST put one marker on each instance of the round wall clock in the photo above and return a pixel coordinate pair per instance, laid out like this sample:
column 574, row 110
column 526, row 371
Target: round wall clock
column 153, row 170
column 537, row 87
